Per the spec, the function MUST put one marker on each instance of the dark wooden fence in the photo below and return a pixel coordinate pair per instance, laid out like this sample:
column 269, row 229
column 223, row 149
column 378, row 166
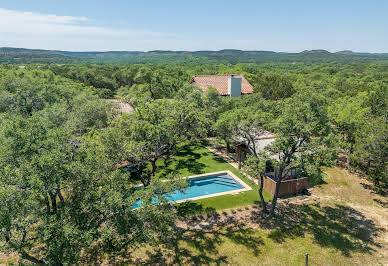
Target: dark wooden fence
column 287, row 187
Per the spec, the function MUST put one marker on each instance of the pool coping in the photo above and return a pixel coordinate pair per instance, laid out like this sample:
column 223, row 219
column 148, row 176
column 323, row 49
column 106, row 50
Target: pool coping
column 236, row 178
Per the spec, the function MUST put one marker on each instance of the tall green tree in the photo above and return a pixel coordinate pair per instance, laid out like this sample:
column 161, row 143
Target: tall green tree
column 61, row 195
column 274, row 86
column 255, row 166
column 371, row 152
column 35, row 161
column 348, row 114
column 153, row 131
column 245, row 125
column 303, row 139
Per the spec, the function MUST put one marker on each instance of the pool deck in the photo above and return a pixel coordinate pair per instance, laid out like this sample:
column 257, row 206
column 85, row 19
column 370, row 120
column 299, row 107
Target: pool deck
column 231, row 161
column 242, row 183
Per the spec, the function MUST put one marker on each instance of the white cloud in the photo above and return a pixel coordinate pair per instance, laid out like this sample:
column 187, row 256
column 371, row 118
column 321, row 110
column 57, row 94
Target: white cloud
column 54, row 32
column 49, row 25
column 13, row 15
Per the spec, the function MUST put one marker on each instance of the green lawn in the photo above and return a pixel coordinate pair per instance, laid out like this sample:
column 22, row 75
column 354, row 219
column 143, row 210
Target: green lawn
column 197, row 159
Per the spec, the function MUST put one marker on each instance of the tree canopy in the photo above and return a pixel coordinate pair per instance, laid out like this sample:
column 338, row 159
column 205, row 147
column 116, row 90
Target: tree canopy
column 71, row 162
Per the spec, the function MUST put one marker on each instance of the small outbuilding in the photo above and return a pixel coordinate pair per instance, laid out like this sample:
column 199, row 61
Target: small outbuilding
column 291, row 185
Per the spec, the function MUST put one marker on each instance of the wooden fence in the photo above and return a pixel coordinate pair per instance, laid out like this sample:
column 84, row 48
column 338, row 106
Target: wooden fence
column 287, row 187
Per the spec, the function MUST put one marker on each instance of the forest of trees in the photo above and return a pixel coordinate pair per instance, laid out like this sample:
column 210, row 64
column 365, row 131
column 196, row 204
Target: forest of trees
column 62, row 193
column 192, row 58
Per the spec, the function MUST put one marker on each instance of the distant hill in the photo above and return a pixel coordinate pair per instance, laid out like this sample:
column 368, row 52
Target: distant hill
column 348, row 52
column 315, row 52
column 24, row 56
column 227, row 56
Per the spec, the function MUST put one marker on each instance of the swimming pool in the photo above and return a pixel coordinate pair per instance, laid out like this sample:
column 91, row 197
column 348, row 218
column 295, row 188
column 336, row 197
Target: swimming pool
column 205, row 186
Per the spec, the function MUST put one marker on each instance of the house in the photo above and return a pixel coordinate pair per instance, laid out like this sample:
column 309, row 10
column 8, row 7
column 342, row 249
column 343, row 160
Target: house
column 292, row 184
column 260, row 143
column 227, row 85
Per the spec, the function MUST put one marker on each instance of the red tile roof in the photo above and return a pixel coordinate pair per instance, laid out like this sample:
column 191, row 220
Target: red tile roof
column 220, row 82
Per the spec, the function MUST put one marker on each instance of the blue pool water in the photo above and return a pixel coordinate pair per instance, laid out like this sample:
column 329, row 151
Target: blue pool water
column 202, row 186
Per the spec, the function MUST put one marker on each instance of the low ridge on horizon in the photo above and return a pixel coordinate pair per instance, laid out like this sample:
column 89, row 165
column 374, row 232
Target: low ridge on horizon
column 194, row 51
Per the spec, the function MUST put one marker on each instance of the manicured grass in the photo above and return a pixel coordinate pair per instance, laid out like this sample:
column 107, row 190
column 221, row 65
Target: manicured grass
column 197, row 159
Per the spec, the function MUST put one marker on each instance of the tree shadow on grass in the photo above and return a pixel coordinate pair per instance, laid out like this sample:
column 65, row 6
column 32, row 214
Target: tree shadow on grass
column 187, row 158
column 202, row 241
column 375, row 190
column 191, row 164
column 218, row 159
column 340, row 227
column 190, row 208
column 383, row 203
column 196, row 241
column 317, row 179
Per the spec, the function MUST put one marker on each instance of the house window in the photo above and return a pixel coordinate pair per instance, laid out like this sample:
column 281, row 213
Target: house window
column 293, row 172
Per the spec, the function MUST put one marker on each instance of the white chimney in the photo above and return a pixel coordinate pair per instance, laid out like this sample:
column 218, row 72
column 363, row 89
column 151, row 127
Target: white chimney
column 234, row 86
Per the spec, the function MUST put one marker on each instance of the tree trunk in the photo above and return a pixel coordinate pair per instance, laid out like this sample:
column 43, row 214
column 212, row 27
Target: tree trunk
column 6, row 236
column 347, row 154
column 145, row 181
column 131, row 104
column 275, row 198
column 48, row 206
column 139, row 174
column 28, row 257
column 153, row 170
column 263, row 203
column 53, row 199
column 152, row 93
column 227, row 147
column 60, row 196
column 350, row 160
column 168, row 155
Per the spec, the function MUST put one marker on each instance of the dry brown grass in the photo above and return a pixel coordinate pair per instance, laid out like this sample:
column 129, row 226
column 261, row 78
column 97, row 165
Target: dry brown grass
column 356, row 192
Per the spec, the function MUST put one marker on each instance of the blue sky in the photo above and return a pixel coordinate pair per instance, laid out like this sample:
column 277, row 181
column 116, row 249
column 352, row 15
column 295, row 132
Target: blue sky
column 288, row 26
